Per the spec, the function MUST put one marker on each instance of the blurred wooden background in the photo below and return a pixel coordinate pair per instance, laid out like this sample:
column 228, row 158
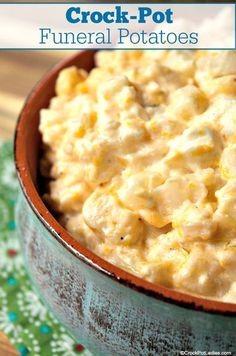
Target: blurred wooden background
column 19, row 72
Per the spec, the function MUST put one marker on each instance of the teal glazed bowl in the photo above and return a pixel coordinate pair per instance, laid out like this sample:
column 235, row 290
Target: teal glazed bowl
column 109, row 310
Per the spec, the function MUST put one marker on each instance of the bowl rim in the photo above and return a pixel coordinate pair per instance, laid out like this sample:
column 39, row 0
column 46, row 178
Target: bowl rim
column 44, row 216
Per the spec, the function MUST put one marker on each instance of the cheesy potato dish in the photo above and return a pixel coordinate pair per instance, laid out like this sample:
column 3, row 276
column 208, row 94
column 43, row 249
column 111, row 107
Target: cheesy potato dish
column 141, row 158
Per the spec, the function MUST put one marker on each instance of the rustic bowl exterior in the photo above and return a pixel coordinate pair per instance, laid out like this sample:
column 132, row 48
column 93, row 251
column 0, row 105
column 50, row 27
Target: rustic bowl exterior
column 108, row 317
column 107, row 309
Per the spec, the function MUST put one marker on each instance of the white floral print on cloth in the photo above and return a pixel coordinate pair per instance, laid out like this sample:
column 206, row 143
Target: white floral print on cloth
column 28, row 324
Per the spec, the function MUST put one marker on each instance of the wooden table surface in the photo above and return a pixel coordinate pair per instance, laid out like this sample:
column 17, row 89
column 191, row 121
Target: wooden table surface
column 19, row 71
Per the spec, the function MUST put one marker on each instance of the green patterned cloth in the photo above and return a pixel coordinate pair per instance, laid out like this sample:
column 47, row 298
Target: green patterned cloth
column 23, row 318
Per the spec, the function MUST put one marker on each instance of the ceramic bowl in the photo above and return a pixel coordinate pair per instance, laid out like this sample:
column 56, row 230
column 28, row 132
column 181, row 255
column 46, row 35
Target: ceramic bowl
column 104, row 307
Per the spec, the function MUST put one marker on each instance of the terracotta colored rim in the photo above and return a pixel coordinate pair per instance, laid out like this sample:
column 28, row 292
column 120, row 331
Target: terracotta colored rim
column 74, row 247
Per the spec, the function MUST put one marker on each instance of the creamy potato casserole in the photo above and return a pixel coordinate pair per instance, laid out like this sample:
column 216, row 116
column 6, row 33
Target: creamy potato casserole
column 141, row 158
